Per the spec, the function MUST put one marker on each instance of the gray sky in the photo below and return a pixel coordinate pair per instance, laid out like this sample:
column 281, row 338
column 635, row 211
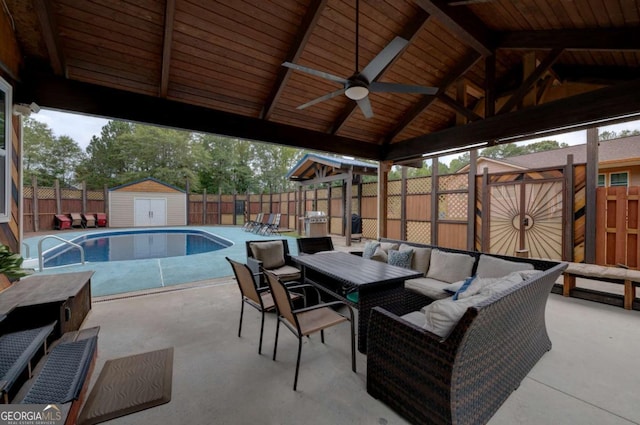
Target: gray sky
column 82, row 127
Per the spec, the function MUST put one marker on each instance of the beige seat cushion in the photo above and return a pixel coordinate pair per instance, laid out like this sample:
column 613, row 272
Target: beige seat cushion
column 421, row 258
column 432, row 288
column 489, row 266
column 450, row 266
column 270, row 253
column 415, row 317
column 286, row 273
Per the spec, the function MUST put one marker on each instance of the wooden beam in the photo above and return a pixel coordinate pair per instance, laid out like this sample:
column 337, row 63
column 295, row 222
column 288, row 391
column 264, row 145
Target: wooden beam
column 73, row 96
column 603, row 104
column 409, row 32
column 169, row 15
column 50, row 35
column 606, row 75
column 528, row 82
column 299, row 42
column 490, row 86
column 458, row 107
column 609, row 39
column 458, row 71
column 462, row 23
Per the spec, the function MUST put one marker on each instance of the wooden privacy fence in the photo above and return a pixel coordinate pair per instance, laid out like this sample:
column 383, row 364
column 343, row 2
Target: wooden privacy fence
column 617, row 226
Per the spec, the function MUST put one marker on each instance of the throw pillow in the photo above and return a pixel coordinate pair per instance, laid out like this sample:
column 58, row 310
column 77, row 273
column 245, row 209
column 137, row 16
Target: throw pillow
column 401, row 258
column 421, row 258
column 452, row 288
column 491, row 285
column 270, row 253
column 464, row 287
column 450, row 266
column 379, row 255
column 489, row 266
column 370, row 249
column 443, row 315
column 388, row 246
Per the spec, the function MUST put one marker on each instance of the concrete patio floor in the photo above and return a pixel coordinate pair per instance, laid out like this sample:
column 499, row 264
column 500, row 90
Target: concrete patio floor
column 589, row 377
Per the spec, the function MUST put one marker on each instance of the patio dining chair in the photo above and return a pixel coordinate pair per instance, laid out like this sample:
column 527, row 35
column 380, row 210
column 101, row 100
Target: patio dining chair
column 258, row 298
column 305, row 321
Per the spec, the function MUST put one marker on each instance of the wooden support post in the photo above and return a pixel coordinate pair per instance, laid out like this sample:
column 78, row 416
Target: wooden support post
column 233, row 220
column 629, row 294
column 299, row 213
column 403, row 203
column 187, row 206
column 84, row 197
column 568, row 226
column 329, row 212
column 56, row 189
column 347, row 210
column 434, row 201
column 383, row 177
column 36, row 209
column 220, row 205
column 471, row 200
column 528, row 67
column 568, row 284
column 204, row 206
column 590, row 198
column 106, row 199
column 484, row 243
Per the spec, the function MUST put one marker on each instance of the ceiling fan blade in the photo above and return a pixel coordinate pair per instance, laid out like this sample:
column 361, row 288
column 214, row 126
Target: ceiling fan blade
column 401, row 88
column 377, row 64
column 365, row 106
column 322, row 98
column 320, row 74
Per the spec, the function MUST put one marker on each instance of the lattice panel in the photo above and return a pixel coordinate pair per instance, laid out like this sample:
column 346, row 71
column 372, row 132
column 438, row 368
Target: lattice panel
column 254, row 198
column 323, row 193
column 336, row 225
column 370, row 228
column 27, row 192
column 419, row 185
column 394, row 207
column 310, row 194
column 419, row 231
column 453, row 206
column 453, row 182
column 336, row 192
column 95, row 195
column 70, row 194
column 322, row 205
column 370, row 189
column 394, row 187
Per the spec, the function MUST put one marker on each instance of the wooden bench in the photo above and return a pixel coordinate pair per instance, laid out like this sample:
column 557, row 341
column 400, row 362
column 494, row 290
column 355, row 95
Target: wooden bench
column 629, row 278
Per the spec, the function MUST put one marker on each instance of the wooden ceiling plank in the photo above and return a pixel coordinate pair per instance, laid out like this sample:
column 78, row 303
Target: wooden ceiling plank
column 169, row 17
column 462, row 23
column 58, row 93
column 458, row 71
column 609, row 39
column 579, row 110
column 300, row 41
column 50, row 34
column 410, row 32
column 530, row 80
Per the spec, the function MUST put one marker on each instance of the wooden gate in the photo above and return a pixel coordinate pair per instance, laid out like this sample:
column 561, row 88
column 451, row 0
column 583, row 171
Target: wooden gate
column 617, row 226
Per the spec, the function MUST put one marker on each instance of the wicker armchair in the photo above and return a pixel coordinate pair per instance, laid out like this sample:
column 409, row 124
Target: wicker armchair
column 466, row 377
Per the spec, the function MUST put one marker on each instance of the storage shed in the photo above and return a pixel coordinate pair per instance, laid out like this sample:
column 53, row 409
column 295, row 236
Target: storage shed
column 147, row 202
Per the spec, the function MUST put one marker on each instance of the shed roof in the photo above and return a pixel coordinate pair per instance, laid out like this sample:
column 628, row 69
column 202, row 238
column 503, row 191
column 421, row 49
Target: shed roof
column 148, row 184
column 313, row 165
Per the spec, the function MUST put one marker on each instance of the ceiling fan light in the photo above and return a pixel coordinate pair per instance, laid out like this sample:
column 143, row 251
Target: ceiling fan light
column 356, row 92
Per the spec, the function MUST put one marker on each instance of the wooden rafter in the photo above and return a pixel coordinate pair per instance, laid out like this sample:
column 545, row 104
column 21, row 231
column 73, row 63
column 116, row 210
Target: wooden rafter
column 169, row 14
column 458, row 107
column 532, row 78
column 306, row 28
column 462, row 23
column 50, row 34
column 603, row 104
column 410, row 32
column 59, row 93
column 595, row 74
column 458, row 71
column 613, row 39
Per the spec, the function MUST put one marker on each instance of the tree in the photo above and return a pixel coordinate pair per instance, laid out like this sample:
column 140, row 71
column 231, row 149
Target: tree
column 272, row 163
column 48, row 157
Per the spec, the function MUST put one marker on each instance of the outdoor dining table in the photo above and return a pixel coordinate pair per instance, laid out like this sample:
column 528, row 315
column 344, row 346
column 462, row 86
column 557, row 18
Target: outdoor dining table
column 339, row 274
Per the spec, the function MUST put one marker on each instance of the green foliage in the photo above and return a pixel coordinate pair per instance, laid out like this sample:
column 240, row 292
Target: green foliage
column 11, row 264
column 608, row 135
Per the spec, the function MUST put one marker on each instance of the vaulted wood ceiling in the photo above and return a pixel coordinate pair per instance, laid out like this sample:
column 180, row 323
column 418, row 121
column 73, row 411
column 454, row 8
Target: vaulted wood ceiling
column 504, row 68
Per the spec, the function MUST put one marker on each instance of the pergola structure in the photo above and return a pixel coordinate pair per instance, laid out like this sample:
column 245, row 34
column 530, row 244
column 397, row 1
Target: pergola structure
column 314, row 169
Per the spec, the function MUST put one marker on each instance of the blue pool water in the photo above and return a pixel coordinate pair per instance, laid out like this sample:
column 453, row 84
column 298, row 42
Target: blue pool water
column 135, row 245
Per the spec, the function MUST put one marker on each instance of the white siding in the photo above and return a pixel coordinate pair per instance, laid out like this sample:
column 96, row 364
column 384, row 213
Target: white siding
column 121, row 207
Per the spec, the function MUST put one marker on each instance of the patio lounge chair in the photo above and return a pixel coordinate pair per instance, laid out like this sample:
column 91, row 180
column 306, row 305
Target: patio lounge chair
column 271, row 228
column 251, row 224
column 305, row 321
column 258, row 229
column 61, row 222
column 101, row 219
column 258, row 298
column 89, row 220
column 76, row 220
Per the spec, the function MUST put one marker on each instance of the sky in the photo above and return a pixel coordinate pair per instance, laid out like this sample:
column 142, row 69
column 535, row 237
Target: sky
column 82, row 128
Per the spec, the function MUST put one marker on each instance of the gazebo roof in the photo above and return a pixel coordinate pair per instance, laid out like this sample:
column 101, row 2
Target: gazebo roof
column 313, row 166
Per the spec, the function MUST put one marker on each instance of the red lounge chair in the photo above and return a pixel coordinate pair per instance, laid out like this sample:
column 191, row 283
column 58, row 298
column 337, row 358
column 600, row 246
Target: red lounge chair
column 61, row 222
column 101, row 219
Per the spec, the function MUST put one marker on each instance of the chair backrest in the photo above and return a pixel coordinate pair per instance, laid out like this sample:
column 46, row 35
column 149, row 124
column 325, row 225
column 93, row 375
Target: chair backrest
column 285, row 246
column 315, row 244
column 259, row 217
column 244, row 277
column 282, row 299
column 276, row 220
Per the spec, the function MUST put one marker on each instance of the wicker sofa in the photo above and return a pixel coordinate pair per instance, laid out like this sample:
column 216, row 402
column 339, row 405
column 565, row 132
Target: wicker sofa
column 465, row 377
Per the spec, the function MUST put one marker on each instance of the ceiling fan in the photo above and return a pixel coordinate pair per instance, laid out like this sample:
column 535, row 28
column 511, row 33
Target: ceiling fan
column 358, row 86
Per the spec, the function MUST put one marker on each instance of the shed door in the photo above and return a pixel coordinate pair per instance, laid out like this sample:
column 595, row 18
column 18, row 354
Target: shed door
column 150, row 212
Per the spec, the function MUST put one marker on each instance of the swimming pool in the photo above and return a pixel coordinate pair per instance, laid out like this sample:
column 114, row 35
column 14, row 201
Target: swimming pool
column 116, row 277
column 130, row 245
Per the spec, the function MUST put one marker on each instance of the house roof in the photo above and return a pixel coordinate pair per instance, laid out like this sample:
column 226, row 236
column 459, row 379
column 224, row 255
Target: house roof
column 313, row 165
column 146, row 180
column 216, row 67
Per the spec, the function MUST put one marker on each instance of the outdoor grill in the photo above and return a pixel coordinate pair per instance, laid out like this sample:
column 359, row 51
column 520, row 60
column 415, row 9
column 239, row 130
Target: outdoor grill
column 315, row 224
